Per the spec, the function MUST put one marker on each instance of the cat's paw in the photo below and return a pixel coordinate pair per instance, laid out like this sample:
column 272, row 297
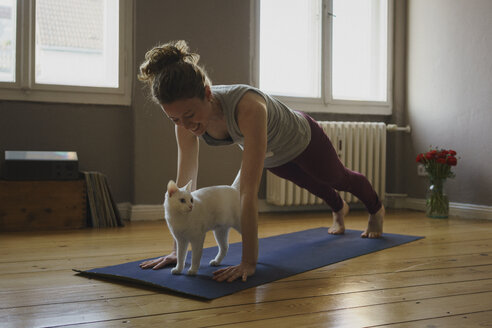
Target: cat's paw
column 214, row 263
column 176, row 270
column 192, row 272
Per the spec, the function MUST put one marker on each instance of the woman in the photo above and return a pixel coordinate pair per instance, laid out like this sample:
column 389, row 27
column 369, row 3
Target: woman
column 288, row 143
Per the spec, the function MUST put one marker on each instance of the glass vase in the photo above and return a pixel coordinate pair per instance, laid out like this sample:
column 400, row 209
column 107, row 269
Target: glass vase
column 437, row 202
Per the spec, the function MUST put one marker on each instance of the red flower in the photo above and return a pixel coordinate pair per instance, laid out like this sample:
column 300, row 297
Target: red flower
column 438, row 162
column 451, row 160
column 442, row 154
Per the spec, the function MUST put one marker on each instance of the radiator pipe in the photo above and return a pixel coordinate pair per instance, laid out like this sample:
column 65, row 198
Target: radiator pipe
column 396, row 128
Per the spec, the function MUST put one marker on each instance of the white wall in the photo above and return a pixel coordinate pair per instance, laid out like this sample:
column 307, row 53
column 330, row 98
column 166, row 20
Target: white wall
column 449, row 92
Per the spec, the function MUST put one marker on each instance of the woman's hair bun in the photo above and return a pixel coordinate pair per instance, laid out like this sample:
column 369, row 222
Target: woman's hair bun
column 172, row 72
column 164, row 55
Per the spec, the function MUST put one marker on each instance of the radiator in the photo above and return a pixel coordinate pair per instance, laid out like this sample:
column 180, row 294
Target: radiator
column 361, row 146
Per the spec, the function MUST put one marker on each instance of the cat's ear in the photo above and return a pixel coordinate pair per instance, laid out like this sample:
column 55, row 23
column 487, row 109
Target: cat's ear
column 188, row 185
column 172, row 188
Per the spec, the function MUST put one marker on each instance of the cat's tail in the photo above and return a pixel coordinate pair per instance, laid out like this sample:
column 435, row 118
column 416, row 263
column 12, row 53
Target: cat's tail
column 235, row 184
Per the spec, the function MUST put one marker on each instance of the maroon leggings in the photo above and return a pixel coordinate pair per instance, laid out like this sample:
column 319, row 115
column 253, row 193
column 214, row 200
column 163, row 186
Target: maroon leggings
column 319, row 170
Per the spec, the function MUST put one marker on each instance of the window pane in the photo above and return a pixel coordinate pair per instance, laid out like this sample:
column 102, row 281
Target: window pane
column 359, row 62
column 7, row 40
column 77, row 42
column 290, row 47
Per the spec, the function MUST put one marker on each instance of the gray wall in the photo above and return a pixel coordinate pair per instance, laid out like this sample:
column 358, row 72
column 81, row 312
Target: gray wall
column 101, row 135
column 449, row 92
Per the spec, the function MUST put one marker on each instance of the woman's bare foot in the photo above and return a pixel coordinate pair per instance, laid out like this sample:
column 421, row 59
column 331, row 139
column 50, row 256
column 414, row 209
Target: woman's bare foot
column 375, row 225
column 338, row 226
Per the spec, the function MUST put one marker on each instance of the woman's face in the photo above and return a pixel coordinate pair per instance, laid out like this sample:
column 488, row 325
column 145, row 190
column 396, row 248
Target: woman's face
column 193, row 114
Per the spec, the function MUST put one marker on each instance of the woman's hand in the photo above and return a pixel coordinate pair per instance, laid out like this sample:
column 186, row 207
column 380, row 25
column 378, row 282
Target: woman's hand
column 159, row 262
column 242, row 270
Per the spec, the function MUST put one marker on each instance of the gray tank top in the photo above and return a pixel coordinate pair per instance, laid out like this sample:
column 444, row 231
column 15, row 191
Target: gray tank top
column 288, row 132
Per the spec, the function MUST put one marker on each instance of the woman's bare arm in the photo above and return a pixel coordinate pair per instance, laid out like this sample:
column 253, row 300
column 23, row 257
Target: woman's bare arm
column 252, row 121
column 188, row 148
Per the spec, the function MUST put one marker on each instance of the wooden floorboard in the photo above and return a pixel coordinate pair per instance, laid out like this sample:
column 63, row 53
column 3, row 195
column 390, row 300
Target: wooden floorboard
column 443, row 280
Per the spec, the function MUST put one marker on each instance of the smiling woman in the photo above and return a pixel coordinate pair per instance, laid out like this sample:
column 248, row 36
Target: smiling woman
column 287, row 142
column 194, row 114
column 182, row 88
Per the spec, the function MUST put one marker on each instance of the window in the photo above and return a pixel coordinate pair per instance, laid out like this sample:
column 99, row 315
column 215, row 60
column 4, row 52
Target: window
column 75, row 51
column 7, row 40
column 325, row 55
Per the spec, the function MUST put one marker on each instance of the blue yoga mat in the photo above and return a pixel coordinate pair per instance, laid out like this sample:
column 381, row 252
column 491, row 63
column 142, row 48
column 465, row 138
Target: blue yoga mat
column 280, row 257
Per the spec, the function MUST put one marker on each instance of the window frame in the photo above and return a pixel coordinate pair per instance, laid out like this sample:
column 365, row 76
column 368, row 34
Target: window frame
column 326, row 104
column 25, row 89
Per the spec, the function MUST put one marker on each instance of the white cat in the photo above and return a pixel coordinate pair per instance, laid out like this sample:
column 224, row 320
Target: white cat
column 190, row 215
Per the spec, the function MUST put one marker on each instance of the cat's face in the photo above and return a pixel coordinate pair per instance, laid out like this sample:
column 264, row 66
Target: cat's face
column 180, row 198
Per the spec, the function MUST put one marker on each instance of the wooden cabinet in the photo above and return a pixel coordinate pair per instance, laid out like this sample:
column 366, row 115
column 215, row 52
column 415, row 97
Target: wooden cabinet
column 42, row 205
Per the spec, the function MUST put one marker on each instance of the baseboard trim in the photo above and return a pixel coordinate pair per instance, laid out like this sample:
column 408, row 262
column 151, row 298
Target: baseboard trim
column 462, row 210
column 132, row 212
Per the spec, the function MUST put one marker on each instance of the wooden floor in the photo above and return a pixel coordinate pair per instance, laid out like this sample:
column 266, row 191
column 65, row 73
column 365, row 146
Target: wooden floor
column 444, row 280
